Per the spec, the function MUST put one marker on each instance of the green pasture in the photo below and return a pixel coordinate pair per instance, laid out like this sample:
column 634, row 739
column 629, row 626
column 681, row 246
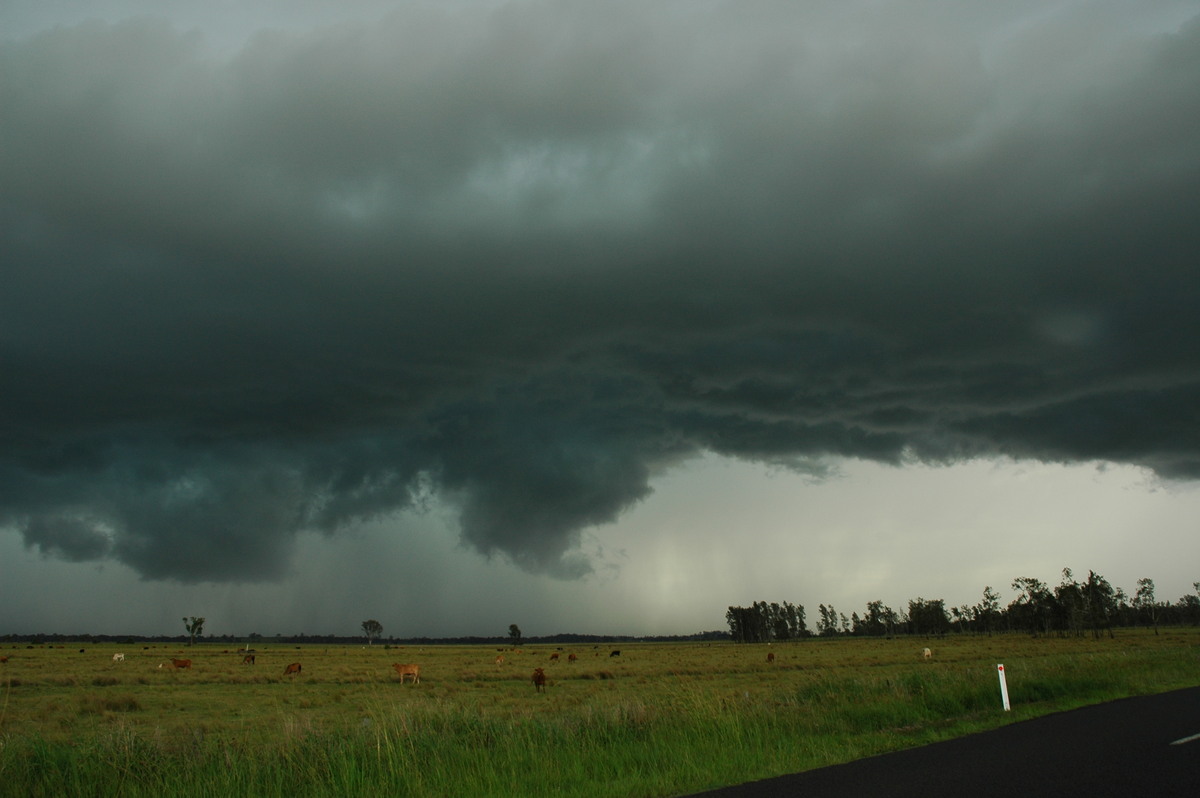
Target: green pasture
column 658, row 720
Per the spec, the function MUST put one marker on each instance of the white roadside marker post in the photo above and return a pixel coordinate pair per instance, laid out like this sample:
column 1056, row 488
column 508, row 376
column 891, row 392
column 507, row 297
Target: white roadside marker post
column 1003, row 688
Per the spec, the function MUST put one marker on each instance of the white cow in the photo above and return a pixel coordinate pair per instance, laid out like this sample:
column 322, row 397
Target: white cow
column 926, row 653
column 118, row 657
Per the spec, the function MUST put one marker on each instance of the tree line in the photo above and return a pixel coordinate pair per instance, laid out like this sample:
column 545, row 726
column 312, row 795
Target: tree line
column 1074, row 607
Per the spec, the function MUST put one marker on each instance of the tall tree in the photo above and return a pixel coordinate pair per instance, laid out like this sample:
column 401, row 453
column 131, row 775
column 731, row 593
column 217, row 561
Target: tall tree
column 1031, row 609
column 928, row 616
column 1101, row 603
column 1070, row 605
column 827, row 626
column 194, row 628
column 780, row 630
column 987, row 611
column 1145, row 603
column 763, row 622
column 960, row 616
column 874, row 619
column 1188, row 608
column 514, row 632
column 796, row 621
column 372, row 629
column 737, row 618
column 880, row 619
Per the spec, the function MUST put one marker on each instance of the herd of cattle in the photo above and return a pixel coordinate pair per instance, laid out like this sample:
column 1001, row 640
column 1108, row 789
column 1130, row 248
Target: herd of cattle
column 292, row 669
column 405, row 671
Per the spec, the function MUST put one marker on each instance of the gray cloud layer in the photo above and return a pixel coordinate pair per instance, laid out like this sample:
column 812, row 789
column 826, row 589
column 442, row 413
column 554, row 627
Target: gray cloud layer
column 523, row 259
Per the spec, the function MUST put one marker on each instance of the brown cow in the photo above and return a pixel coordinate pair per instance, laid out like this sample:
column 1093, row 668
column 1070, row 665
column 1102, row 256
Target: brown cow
column 248, row 659
column 292, row 670
column 178, row 664
column 539, row 680
column 554, row 657
column 770, row 656
column 3, row 660
column 404, row 671
column 571, row 658
column 499, row 659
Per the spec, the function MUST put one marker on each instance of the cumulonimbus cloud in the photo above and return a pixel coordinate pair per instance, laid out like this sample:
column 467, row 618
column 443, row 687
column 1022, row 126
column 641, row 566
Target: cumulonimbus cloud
column 525, row 258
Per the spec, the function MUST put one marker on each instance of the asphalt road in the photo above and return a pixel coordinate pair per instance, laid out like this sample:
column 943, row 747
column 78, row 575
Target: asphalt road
column 1134, row 748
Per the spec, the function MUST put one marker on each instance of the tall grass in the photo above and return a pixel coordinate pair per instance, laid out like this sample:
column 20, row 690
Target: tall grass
column 672, row 720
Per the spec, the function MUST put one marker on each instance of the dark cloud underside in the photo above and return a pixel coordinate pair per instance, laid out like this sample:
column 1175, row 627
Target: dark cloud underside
column 524, row 259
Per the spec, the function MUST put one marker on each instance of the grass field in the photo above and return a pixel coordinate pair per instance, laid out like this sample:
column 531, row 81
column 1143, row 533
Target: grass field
column 658, row 720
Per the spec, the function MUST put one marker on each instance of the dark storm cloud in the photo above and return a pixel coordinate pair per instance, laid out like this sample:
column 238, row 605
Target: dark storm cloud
column 72, row 539
column 524, row 259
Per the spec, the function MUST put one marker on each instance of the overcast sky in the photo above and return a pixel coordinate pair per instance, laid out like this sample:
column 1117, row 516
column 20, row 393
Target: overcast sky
column 590, row 317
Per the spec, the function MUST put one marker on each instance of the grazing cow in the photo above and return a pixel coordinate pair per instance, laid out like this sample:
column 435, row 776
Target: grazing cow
column 539, row 680
column 770, row 656
column 554, row 657
column 178, row 664
column 926, row 653
column 3, row 660
column 499, row 659
column 248, row 659
column 118, row 657
column 404, row 671
column 292, row 670
column 571, row 658
column 614, row 654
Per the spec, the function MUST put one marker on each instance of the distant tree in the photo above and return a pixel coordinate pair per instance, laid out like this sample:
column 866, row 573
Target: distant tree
column 827, row 625
column 1070, row 605
column 880, row 619
column 884, row 615
column 960, row 616
column 742, row 624
column 1126, row 616
column 786, row 621
column 1188, row 608
column 1100, row 602
column 372, row 629
column 928, row 617
column 749, row 624
column 1031, row 609
column 194, row 628
column 733, row 617
column 762, row 622
column 780, row 629
column 514, row 632
column 796, row 620
column 987, row 611
column 1143, row 601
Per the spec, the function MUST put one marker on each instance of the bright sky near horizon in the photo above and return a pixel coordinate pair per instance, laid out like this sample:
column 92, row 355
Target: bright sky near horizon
column 590, row 317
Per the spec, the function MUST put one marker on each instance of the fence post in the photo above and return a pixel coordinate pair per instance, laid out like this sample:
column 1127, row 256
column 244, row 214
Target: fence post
column 1003, row 688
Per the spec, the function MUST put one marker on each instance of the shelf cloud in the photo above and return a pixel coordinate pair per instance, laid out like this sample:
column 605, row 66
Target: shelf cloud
column 521, row 258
